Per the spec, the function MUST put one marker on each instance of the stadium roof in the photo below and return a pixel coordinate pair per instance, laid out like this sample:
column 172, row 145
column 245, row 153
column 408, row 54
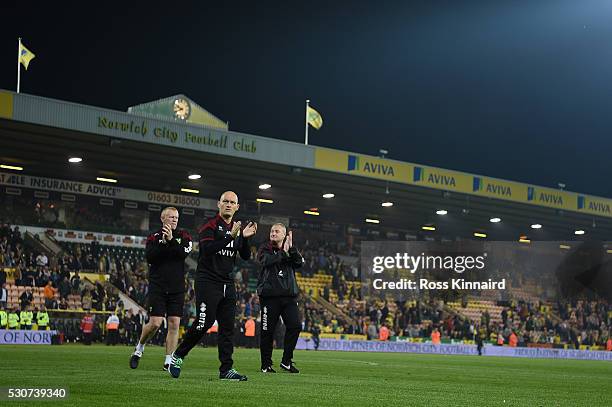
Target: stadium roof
column 43, row 150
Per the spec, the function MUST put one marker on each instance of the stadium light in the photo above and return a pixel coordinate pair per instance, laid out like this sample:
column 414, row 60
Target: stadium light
column 11, row 167
column 328, row 196
column 564, row 246
column 579, row 232
column 75, row 160
column 194, row 176
column 376, row 221
column 478, row 234
column 495, row 220
column 430, row 228
column 265, row 186
column 313, row 213
column 441, row 212
column 386, row 204
column 262, row 200
column 191, row 191
column 111, row 180
column 536, row 226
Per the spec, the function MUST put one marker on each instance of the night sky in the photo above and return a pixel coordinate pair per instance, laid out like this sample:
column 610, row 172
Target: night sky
column 520, row 90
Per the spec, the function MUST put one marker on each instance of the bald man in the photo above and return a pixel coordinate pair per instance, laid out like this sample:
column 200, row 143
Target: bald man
column 221, row 239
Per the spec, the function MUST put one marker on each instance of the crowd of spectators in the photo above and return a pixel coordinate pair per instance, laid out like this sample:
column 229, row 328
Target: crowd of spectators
column 522, row 322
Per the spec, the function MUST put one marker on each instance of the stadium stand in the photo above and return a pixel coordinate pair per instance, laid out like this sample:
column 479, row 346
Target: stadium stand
column 330, row 299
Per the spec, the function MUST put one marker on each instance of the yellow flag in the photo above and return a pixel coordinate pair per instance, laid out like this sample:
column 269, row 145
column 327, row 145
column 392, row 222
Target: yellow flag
column 25, row 56
column 314, row 118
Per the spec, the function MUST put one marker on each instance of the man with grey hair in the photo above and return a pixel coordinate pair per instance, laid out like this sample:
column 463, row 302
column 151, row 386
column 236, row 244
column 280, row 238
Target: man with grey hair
column 221, row 239
column 277, row 289
column 166, row 251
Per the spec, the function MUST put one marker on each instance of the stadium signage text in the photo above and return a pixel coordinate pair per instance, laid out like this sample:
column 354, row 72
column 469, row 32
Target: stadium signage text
column 451, row 349
column 105, row 191
column 126, row 127
column 550, row 198
column 491, row 188
column 164, row 133
column 599, row 207
column 545, row 197
column 499, row 190
column 23, row 337
column 456, row 181
column 433, row 177
column 378, row 168
column 59, row 185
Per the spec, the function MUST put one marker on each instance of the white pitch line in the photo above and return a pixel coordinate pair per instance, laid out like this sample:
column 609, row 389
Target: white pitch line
column 354, row 361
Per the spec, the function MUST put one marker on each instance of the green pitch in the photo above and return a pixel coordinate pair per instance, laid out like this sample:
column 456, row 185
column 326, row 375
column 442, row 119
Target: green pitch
column 100, row 376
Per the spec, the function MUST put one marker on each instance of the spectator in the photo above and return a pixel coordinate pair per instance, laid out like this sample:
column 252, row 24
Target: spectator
column 372, row 331
column 26, row 298
column 3, row 296
column 383, row 334
column 249, row 332
column 315, row 331
column 49, row 293
column 86, row 300
column 87, row 327
column 64, row 288
column 112, row 329
column 326, row 292
column 28, row 277
column 513, row 340
column 435, row 337
column 75, row 283
column 42, row 260
column 16, row 236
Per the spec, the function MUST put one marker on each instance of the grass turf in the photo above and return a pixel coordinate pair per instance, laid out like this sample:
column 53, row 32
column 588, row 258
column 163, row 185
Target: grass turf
column 100, row 376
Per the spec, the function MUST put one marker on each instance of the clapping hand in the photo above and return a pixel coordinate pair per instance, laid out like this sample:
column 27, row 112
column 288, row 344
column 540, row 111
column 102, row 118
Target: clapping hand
column 250, row 230
column 236, row 229
column 167, row 232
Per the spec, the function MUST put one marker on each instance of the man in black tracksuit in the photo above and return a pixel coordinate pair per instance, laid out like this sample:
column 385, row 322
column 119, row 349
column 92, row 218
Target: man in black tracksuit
column 277, row 289
column 220, row 239
column 166, row 251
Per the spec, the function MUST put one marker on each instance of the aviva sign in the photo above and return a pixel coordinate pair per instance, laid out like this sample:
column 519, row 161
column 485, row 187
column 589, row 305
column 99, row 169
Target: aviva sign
column 492, row 188
column 369, row 166
column 360, row 164
column 434, row 177
column 546, row 197
column 448, row 180
column 594, row 205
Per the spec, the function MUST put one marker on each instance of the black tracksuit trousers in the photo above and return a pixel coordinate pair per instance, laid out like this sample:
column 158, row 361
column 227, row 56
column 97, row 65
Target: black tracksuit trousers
column 271, row 309
column 214, row 301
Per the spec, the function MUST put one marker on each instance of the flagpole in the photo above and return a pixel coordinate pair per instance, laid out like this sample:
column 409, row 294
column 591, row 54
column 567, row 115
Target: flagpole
column 18, row 67
column 306, row 129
